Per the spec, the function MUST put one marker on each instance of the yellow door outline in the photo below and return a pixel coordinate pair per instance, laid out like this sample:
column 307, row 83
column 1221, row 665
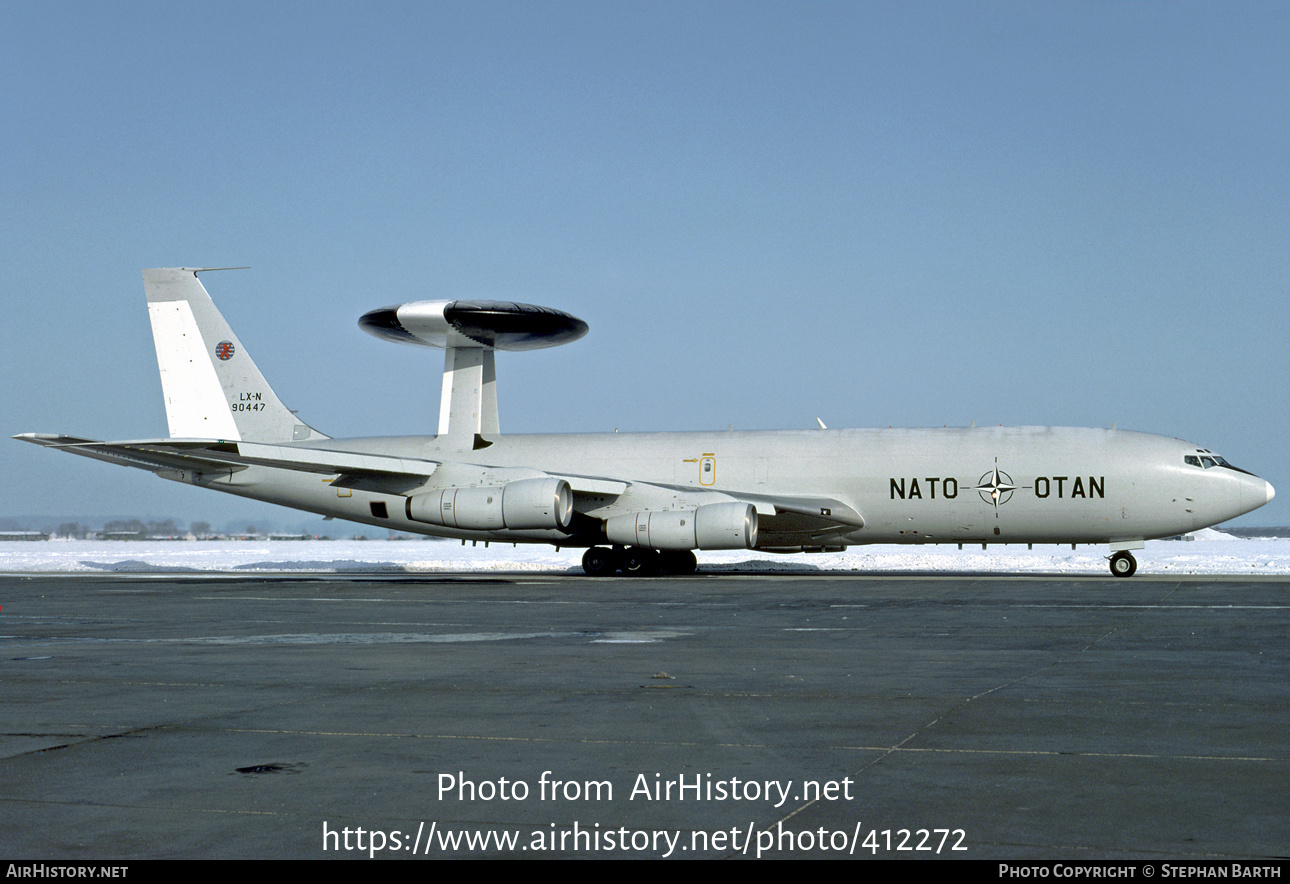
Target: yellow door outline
column 708, row 469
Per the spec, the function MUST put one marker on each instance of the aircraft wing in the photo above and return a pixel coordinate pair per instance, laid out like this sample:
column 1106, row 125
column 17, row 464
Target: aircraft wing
column 793, row 522
column 826, row 511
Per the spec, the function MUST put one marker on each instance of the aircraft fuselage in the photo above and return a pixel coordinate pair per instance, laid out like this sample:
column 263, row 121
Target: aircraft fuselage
column 986, row 485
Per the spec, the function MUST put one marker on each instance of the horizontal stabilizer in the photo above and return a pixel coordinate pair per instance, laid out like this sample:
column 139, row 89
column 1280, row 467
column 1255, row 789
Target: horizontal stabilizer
column 218, row 454
column 152, row 455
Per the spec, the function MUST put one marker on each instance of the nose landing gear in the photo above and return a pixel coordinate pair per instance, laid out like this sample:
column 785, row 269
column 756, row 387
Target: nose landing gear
column 1123, row 564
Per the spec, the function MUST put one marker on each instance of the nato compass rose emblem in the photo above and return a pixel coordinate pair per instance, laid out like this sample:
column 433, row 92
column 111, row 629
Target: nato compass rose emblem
column 224, row 350
column 995, row 487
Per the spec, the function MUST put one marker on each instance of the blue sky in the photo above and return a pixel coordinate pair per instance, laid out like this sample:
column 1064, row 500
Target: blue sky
column 878, row 214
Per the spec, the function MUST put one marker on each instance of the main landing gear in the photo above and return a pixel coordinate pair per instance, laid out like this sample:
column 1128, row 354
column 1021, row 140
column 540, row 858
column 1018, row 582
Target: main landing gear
column 637, row 561
column 1123, row 564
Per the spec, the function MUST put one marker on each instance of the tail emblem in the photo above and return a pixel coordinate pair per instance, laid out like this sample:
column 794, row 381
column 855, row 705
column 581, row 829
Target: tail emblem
column 224, row 350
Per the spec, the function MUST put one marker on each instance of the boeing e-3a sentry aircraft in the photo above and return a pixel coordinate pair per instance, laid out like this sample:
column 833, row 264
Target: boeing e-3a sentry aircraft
column 642, row 503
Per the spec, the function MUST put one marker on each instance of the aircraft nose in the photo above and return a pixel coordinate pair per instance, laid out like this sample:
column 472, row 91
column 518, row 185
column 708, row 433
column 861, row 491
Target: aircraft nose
column 1255, row 492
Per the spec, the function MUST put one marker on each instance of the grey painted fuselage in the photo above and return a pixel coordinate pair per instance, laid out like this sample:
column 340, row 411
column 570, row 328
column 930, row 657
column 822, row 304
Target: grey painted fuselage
column 910, row 485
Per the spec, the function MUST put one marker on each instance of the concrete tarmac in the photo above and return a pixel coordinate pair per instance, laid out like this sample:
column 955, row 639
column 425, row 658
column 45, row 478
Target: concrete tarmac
column 1061, row 718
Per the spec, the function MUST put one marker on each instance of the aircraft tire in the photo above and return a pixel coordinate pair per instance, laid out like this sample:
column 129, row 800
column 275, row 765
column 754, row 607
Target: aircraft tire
column 679, row 561
column 600, row 562
column 1123, row 564
column 640, row 562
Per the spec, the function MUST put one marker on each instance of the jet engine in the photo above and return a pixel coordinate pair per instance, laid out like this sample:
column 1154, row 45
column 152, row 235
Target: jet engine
column 712, row 526
column 524, row 503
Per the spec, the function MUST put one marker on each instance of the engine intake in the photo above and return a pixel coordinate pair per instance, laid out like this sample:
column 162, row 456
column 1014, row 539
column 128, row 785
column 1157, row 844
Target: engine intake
column 525, row 503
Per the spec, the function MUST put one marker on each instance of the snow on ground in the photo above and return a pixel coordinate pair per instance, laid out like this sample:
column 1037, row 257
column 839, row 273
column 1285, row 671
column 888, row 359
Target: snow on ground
column 1211, row 552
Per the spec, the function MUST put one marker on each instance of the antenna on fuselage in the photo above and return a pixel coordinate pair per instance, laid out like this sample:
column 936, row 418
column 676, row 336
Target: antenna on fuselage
column 470, row 332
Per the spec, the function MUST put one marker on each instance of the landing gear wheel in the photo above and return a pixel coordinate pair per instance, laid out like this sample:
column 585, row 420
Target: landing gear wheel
column 640, row 562
column 1123, row 564
column 600, row 562
column 679, row 561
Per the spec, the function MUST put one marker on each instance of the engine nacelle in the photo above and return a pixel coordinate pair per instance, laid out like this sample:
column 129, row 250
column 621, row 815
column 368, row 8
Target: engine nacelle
column 712, row 526
column 525, row 503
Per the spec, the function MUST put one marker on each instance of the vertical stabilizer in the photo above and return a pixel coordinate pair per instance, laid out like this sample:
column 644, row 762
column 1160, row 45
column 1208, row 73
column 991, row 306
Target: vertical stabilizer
column 212, row 387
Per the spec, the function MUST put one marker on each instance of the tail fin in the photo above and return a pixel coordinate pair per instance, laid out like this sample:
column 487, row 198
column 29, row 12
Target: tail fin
column 210, row 383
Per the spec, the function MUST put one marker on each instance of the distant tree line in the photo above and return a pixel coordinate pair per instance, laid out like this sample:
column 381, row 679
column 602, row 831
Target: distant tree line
column 164, row 528
column 139, row 528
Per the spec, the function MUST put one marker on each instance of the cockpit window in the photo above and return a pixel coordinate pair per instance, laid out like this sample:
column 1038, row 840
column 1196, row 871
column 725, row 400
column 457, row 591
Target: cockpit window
column 1206, row 459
